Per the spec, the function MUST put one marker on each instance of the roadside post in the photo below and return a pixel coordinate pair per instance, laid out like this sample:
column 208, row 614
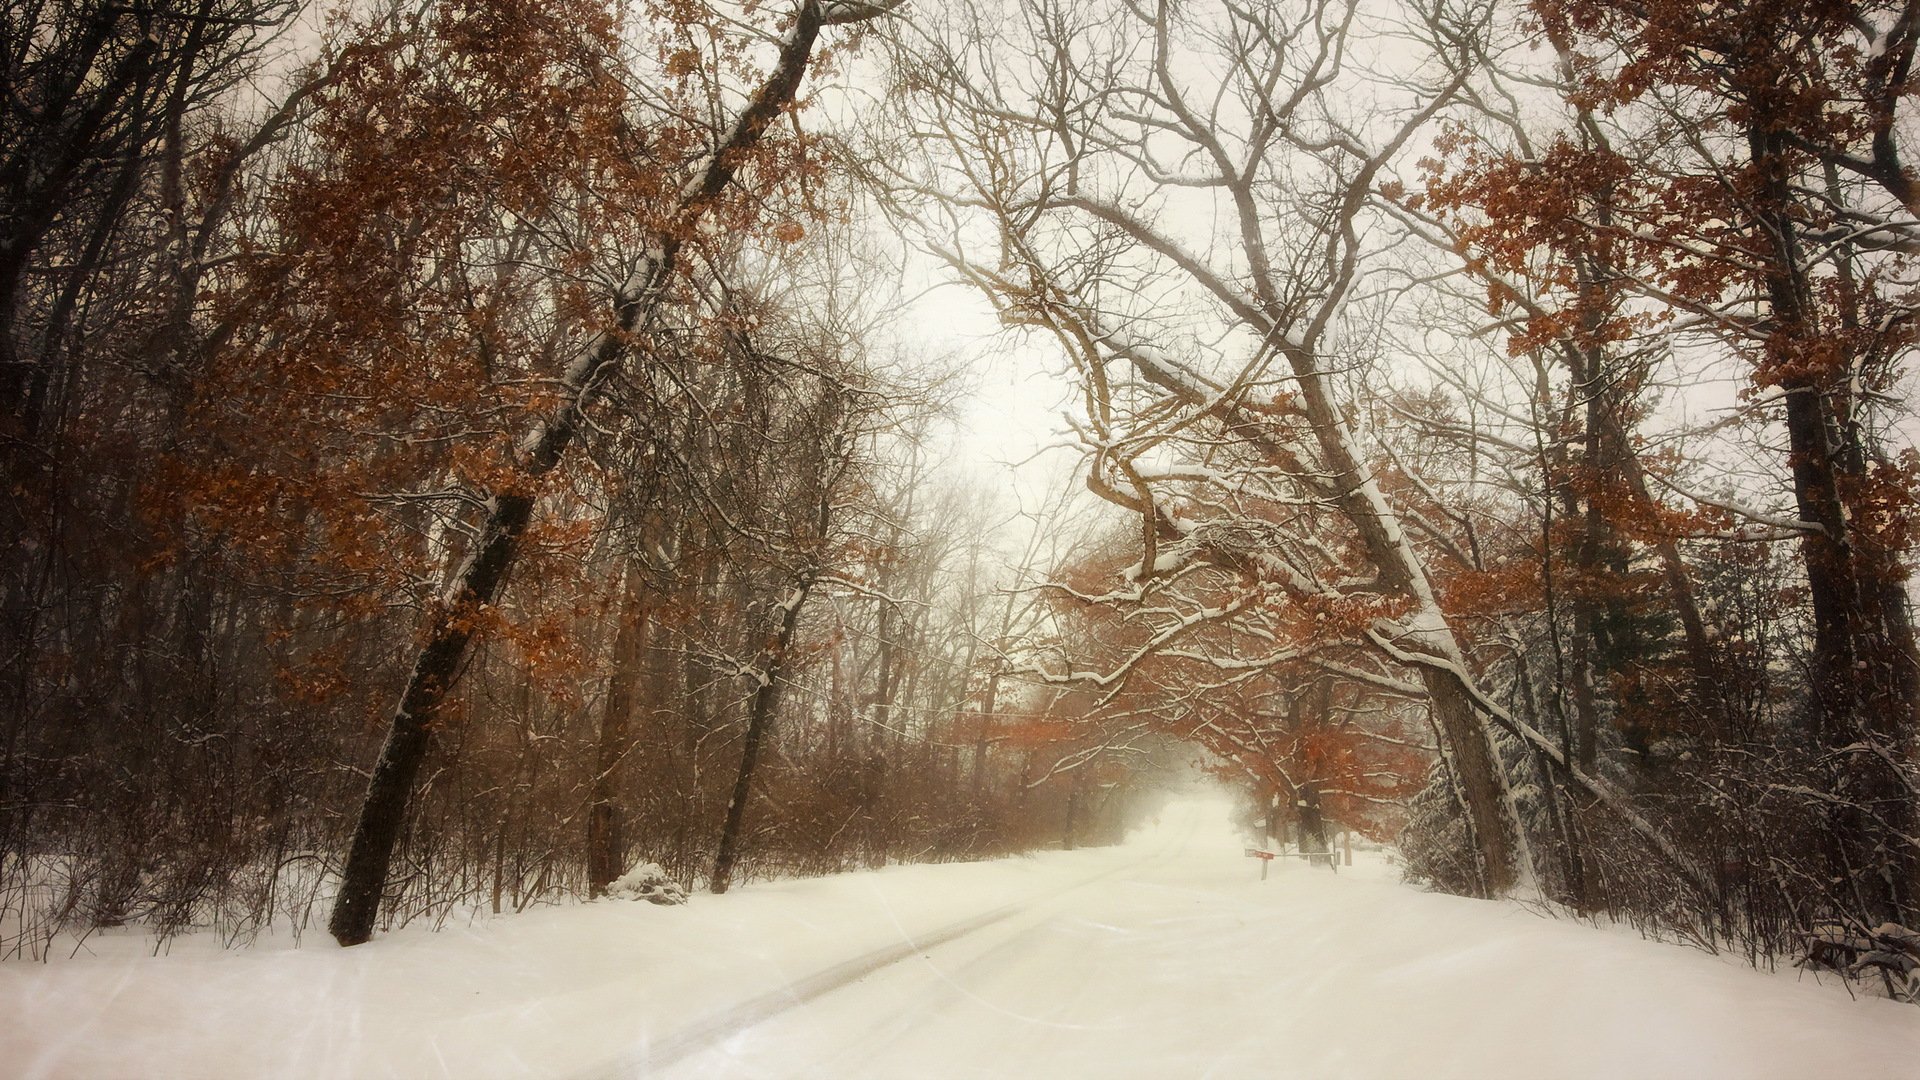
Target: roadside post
column 1265, row 857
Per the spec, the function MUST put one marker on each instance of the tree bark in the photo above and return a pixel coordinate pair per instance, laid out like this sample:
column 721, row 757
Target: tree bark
column 1481, row 776
column 605, row 843
column 983, row 739
column 410, row 734
column 1073, row 806
column 759, row 717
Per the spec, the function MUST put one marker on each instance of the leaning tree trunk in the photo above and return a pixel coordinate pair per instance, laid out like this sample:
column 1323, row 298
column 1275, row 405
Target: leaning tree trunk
column 479, row 580
column 766, row 695
column 1483, row 781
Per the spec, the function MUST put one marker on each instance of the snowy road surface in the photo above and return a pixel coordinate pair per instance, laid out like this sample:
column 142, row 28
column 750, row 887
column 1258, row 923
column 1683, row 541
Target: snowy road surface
column 1166, row 958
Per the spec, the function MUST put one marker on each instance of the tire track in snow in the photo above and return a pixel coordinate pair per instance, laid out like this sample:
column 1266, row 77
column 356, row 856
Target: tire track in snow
column 950, row 985
column 703, row 1034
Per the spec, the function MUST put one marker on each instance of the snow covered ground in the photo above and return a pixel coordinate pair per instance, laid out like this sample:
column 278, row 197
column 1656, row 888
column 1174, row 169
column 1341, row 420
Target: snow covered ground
column 1164, row 958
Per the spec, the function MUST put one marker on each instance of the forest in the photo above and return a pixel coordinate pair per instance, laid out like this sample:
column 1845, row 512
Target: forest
column 456, row 451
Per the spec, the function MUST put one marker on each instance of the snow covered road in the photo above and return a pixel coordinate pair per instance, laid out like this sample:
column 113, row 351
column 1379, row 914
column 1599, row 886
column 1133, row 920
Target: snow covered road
column 1164, row 958
column 1184, row 964
column 726, row 1032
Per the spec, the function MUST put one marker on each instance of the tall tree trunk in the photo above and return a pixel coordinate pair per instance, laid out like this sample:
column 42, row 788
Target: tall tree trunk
column 605, row 844
column 879, row 726
column 981, row 741
column 1611, row 454
column 1313, row 825
column 1864, row 707
column 1553, row 796
column 1073, row 806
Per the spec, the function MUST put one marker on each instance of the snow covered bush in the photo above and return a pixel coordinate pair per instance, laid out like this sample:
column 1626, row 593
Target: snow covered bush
column 1887, row 955
column 648, row 882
